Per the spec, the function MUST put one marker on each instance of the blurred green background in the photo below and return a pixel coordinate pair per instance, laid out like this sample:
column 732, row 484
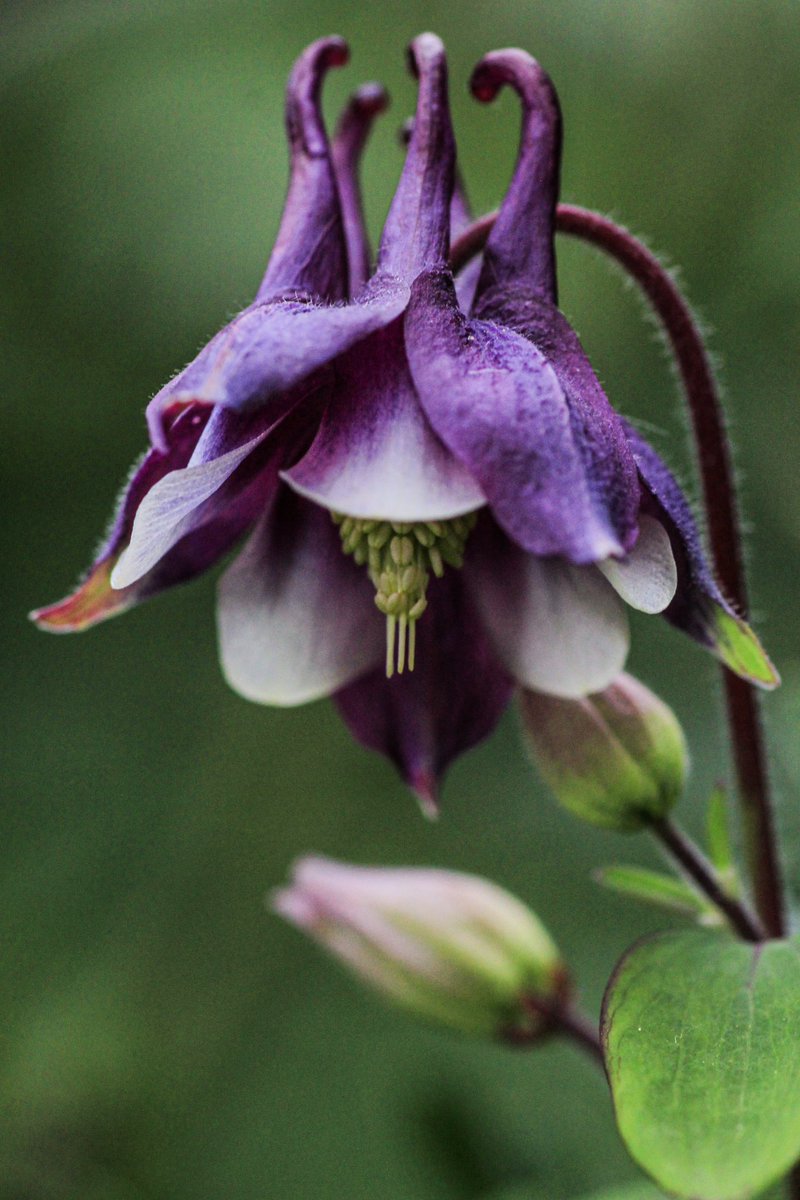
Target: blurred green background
column 163, row 1036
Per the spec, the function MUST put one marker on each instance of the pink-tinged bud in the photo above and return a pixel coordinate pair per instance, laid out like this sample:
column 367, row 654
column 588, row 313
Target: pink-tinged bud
column 617, row 758
column 450, row 947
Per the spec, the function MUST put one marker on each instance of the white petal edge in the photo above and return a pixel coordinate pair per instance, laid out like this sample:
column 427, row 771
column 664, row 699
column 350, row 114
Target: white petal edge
column 558, row 628
column 647, row 578
column 166, row 512
column 384, row 461
column 296, row 626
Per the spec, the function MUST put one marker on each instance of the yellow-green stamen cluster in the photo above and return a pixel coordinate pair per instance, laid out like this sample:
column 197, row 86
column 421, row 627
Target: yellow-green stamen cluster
column 400, row 557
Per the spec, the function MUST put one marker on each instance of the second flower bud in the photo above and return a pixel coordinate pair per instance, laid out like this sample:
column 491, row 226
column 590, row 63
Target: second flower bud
column 451, row 947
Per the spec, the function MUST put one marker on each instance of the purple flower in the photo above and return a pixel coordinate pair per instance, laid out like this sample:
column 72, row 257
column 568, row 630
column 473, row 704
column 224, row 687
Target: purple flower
column 465, row 474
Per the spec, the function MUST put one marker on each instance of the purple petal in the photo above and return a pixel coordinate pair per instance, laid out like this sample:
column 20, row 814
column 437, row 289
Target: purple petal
column 699, row 608
column 552, row 460
column 203, row 546
column 269, row 351
column 417, row 230
column 222, row 465
column 309, row 254
column 296, row 616
column 95, row 600
column 453, row 698
column 521, row 247
column 348, row 144
column 598, row 430
column 460, row 219
column 375, row 454
column 557, row 628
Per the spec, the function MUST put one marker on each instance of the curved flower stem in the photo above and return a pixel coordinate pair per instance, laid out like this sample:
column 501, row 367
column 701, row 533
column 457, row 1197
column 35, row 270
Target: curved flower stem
column 563, row 1021
column 719, row 496
column 698, row 868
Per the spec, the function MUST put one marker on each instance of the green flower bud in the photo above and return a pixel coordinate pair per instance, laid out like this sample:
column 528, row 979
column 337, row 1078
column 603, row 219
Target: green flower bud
column 617, row 759
column 450, row 947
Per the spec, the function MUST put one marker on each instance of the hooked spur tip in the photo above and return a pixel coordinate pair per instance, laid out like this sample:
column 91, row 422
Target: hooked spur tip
column 499, row 68
column 303, row 116
column 311, row 65
column 365, row 104
column 424, row 52
column 327, row 52
column 370, row 99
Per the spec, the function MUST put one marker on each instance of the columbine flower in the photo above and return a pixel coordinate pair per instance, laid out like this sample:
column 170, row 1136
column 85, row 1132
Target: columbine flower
column 375, row 439
column 453, row 948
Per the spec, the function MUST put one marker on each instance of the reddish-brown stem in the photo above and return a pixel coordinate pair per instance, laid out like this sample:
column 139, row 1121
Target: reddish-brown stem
column 719, row 496
column 697, row 867
column 560, row 1020
column 581, row 1030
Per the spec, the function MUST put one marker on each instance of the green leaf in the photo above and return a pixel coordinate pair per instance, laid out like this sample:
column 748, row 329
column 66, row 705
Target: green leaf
column 701, row 1042
column 652, row 887
column 623, row 1191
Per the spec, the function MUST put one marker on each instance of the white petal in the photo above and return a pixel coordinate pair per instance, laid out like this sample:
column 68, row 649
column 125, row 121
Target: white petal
column 295, row 617
column 168, row 512
column 647, row 578
column 376, row 454
column 558, row 628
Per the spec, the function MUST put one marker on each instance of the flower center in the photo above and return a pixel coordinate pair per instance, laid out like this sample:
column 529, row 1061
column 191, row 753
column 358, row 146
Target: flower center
column 400, row 557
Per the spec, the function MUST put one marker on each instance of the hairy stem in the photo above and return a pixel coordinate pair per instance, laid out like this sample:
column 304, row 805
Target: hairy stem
column 719, row 496
column 697, row 867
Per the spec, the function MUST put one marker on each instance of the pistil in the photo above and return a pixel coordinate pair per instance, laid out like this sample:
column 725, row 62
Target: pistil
column 400, row 557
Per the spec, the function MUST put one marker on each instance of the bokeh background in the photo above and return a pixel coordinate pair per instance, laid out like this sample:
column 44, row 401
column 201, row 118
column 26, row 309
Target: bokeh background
column 163, row 1036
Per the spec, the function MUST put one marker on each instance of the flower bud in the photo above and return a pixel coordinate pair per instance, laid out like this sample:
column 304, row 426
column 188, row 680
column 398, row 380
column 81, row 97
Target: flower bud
column 617, row 759
column 451, row 947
